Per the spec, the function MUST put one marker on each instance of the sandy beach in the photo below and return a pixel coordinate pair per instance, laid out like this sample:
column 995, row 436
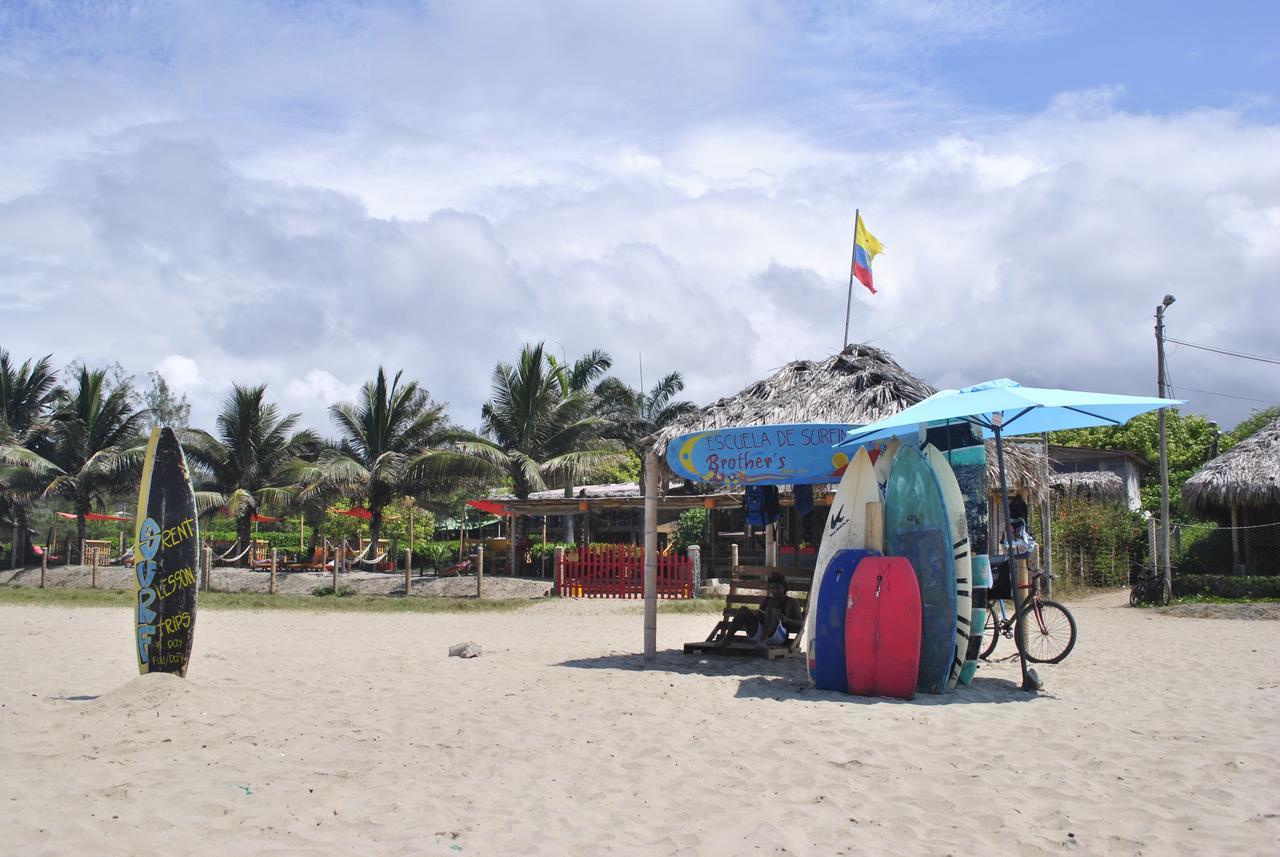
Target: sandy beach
column 301, row 733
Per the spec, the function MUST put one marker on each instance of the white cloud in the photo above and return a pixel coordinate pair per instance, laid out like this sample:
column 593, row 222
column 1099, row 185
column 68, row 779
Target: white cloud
column 298, row 199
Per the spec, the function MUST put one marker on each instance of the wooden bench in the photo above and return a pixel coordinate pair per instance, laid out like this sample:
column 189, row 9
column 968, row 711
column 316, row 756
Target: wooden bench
column 748, row 586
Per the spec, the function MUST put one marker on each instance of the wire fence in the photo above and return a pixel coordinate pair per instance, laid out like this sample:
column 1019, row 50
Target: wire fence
column 1103, row 544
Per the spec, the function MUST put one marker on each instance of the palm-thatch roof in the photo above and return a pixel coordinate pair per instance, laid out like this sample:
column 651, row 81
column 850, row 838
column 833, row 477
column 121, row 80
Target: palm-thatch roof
column 859, row 385
column 1246, row 476
column 1094, row 484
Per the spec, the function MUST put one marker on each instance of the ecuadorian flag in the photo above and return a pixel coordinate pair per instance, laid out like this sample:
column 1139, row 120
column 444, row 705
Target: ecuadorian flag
column 865, row 248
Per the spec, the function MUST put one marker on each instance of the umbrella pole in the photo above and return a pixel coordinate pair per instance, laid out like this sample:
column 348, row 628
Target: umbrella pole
column 1030, row 681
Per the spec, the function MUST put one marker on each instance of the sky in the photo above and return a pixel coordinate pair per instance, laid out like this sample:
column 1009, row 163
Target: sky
column 295, row 193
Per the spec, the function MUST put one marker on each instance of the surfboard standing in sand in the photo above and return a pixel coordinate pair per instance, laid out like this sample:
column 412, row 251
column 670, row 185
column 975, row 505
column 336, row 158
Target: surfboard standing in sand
column 167, row 543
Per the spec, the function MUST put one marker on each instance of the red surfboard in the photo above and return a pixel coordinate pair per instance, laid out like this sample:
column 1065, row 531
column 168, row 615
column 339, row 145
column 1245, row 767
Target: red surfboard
column 882, row 629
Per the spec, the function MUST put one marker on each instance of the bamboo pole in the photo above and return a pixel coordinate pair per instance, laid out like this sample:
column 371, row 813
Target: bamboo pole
column 337, row 563
column 208, row 569
column 275, row 555
column 1235, row 539
column 650, row 556
column 480, row 572
column 95, row 570
column 44, row 565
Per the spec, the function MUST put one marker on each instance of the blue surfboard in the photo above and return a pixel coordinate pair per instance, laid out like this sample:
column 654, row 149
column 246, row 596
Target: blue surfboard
column 830, row 670
column 916, row 527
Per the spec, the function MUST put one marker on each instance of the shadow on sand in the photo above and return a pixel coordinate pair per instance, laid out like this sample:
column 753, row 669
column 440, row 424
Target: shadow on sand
column 786, row 679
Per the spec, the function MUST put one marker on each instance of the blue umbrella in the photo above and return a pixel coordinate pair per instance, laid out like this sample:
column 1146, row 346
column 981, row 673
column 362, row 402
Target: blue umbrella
column 1002, row 406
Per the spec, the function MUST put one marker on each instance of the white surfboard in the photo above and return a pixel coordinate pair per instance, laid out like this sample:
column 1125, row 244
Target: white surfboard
column 953, row 498
column 887, row 452
column 846, row 527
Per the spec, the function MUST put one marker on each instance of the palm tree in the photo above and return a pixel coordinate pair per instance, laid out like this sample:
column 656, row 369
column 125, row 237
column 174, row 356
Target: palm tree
column 25, row 392
column 91, row 442
column 635, row 414
column 251, row 459
column 538, row 425
column 388, row 428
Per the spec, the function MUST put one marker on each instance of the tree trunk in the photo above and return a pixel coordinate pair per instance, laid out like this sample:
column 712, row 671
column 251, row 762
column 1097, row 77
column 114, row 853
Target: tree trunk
column 244, row 535
column 82, row 509
column 375, row 530
column 20, row 542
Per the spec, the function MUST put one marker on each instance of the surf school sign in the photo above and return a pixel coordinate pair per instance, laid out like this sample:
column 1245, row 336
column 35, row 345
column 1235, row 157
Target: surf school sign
column 800, row 453
column 166, row 547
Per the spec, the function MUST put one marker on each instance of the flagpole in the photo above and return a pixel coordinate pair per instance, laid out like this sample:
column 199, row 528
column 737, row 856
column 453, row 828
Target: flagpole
column 848, row 306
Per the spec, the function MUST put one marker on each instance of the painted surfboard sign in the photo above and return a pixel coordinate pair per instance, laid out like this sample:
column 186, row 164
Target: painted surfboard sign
column 791, row 454
column 953, row 499
column 916, row 527
column 166, row 550
column 882, row 629
column 846, row 527
column 830, row 667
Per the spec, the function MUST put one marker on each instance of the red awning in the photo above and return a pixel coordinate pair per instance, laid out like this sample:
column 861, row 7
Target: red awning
column 489, row 506
column 357, row 512
column 94, row 516
column 224, row 512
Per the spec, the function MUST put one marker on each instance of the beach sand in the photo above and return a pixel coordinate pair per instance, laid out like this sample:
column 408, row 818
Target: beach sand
column 301, row 733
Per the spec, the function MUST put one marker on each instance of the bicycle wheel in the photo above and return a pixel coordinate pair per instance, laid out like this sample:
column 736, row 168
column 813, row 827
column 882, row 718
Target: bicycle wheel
column 990, row 632
column 1045, row 638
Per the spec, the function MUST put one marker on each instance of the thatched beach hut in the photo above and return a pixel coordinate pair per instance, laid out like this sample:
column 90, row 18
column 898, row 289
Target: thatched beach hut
column 859, row 385
column 1244, row 484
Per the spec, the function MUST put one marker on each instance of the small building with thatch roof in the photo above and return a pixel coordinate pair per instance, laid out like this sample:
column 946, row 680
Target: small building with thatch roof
column 1098, row 474
column 1241, row 487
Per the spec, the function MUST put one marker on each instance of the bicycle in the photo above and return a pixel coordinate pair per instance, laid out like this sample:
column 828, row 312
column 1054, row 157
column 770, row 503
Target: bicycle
column 1043, row 630
column 1150, row 587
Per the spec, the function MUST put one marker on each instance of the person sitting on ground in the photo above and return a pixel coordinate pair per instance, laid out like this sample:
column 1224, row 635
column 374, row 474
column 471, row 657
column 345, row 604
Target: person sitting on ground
column 778, row 615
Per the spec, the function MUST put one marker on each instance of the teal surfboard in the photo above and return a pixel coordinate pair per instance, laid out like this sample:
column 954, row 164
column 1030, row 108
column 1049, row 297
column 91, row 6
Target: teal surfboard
column 916, row 527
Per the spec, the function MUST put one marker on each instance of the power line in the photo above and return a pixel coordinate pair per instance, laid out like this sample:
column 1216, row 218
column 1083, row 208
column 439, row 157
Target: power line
column 1225, row 351
column 1226, row 395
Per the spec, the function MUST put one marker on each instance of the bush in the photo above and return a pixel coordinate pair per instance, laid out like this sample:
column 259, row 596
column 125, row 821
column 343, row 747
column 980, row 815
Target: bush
column 328, row 592
column 1226, row 586
column 691, row 526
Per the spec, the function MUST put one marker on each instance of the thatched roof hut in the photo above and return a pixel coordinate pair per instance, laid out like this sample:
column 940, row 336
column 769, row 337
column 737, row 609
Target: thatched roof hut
column 1246, row 477
column 859, row 385
column 1093, row 484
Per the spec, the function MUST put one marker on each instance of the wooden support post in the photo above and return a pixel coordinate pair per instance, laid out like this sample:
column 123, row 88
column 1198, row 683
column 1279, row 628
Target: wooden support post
column 337, row 564
column 95, row 570
column 121, row 551
column 1235, row 540
column 650, row 556
column 875, row 526
column 275, row 557
column 480, row 572
column 733, row 558
column 44, row 565
column 558, row 571
column 770, row 545
column 208, row 569
column 408, row 571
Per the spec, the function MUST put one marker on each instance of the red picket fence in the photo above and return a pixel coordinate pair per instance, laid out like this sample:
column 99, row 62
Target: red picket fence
column 617, row 571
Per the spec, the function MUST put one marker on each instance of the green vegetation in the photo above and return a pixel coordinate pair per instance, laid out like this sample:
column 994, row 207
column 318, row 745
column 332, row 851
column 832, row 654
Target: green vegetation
column 259, row 601
column 1226, row 586
column 691, row 528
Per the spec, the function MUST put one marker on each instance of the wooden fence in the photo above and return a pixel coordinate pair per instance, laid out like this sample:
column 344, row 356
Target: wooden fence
column 617, row 571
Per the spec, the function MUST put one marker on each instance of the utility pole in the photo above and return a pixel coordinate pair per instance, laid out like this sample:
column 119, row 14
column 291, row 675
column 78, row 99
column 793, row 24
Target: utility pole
column 1164, row 452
